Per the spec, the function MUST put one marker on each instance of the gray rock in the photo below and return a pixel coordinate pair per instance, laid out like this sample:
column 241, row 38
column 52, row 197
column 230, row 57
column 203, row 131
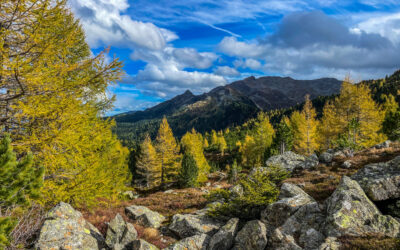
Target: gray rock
column 301, row 230
column 237, row 190
column 350, row 212
column 380, row 181
column 291, row 198
column 292, row 161
column 196, row 242
column 346, row 164
column 145, row 216
column 224, row 238
column 143, row 245
column 330, row 243
column 130, row 195
column 186, row 225
column 326, row 157
column 120, row 232
column 385, row 144
column 253, row 236
column 65, row 228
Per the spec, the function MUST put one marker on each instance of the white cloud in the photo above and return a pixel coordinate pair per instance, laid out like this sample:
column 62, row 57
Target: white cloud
column 386, row 25
column 226, row 71
column 105, row 24
column 248, row 63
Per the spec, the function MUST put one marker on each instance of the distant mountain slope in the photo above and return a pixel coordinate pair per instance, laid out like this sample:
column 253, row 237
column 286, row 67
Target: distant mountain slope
column 223, row 106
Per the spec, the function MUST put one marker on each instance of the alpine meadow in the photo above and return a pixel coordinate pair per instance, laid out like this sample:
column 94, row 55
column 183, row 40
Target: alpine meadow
column 199, row 124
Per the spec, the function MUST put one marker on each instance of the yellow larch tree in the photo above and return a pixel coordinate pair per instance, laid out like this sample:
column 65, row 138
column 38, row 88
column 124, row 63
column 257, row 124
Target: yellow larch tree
column 192, row 143
column 168, row 153
column 304, row 127
column 148, row 166
column 55, row 99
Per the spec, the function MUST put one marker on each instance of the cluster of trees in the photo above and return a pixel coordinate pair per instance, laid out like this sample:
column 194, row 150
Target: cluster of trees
column 161, row 164
column 52, row 100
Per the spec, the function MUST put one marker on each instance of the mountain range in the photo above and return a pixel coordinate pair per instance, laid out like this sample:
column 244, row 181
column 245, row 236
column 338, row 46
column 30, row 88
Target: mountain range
column 223, row 106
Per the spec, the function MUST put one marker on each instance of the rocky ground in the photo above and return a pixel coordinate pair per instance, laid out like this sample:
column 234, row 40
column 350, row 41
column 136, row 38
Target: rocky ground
column 338, row 200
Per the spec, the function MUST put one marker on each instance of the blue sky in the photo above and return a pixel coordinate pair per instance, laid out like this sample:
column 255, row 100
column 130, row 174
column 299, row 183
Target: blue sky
column 171, row 46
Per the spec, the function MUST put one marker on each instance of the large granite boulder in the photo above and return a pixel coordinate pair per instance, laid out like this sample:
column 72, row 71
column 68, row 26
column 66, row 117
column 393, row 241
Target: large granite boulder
column 292, row 161
column 290, row 199
column 145, row 216
column 350, row 212
column 224, row 238
column 326, row 157
column 252, row 236
column 186, row 225
column 196, row 242
column 65, row 228
column 143, row 245
column 302, row 230
column 380, row 181
column 120, row 232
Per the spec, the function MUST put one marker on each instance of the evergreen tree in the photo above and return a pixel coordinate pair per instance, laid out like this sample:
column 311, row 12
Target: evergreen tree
column 168, row 153
column 20, row 181
column 391, row 125
column 192, row 143
column 221, row 143
column 188, row 172
column 233, row 173
column 284, row 136
column 148, row 166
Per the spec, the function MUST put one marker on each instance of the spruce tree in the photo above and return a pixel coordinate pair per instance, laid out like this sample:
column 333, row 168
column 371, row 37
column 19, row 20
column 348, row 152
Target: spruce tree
column 20, row 182
column 188, row 172
column 391, row 125
column 147, row 166
column 284, row 136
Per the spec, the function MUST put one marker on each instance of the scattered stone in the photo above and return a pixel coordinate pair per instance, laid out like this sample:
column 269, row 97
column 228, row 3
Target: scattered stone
column 145, row 216
column 143, row 245
column 252, row 236
column 120, row 232
column 237, row 190
column 130, row 195
column 351, row 213
column 331, row 243
column 65, row 228
column 385, row 144
column 291, row 198
column 380, row 181
column 346, row 164
column 196, row 242
column 224, row 238
column 326, row 157
column 170, row 191
column 186, row 225
column 292, row 161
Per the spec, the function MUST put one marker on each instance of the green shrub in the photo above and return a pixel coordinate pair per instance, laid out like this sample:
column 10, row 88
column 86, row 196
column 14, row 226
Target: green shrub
column 259, row 190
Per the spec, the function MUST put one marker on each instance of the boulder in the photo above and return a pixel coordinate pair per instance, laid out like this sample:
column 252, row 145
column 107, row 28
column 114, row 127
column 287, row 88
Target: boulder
column 145, row 216
column 186, row 225
column 290, row 199
column 65, row 228
column 385, row 144
column 330, row 243
column 346, row 164
column 380, row 181
column 130, row 195
column 351, row 213
column 237, row 190
column 302, row 230
column 224, row 238
column 120, row 232
column 252, row 236
column 196, row 242
column 292, row 161
column 326, row 157
column 143, row 245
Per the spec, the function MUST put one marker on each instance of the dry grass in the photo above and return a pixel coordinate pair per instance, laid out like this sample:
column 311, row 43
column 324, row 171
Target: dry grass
column 322, row 181
column 369, row 242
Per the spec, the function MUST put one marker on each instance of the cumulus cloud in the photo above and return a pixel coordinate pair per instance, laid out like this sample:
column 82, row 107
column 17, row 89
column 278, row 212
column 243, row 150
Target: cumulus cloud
column 387, row 26
column 312, row 44
column 105, row 24
column 226, row 71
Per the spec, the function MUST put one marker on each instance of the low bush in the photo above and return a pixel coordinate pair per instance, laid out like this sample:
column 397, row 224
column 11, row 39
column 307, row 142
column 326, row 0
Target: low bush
column 259, row 190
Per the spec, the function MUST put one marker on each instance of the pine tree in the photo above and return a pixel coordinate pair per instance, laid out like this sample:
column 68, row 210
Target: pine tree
column 214, row 138
column 205, row 144
column 284, row 136
column 192, row 143
column 20, row 182
column 189, row 171
column 233, row 172
column 391, row 125
column 148, row 166
column 221, row 143
column 168, row 153
column 305, row 129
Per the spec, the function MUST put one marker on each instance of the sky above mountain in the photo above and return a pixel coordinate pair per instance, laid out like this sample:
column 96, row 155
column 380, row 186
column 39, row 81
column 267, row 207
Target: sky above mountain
column 171, row 46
